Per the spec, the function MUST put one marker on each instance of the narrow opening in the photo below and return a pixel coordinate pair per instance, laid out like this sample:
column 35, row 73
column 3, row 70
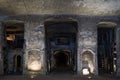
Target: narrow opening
column 107, row 47
column 17, row 64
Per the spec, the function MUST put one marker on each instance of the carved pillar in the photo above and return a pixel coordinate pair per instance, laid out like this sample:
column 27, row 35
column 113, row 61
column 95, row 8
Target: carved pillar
column 118, row 50
column 34, row 47
column 87, row 41
column 1, row 45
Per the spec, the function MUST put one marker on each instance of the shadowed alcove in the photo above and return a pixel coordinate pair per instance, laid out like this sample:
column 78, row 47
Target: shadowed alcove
column 87, row 62
column 62, row 58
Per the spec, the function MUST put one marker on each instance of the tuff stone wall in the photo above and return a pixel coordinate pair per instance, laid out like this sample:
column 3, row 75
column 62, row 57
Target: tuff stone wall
column 1, row 57
column 81, row 7
column 87, row 40
column 34, row 40
column 35, row 37
column 12, row 53
column 118, row 50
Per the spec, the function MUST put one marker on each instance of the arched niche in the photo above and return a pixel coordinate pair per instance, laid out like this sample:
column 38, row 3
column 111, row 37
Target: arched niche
column 87, row 61
column 34, row 60
column 17, row 63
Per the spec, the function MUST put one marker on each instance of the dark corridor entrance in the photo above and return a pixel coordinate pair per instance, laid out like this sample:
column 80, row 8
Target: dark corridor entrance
column 61, row 53
column 61, row 59
column 106, row 49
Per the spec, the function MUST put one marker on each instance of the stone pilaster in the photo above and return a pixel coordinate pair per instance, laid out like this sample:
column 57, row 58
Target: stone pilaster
column 34, row 45
column 87, row 41
column 1, row 45
column 118, row 50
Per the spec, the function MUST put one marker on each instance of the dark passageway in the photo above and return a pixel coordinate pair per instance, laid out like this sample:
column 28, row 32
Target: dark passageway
column 106, row 47
column 61, row 59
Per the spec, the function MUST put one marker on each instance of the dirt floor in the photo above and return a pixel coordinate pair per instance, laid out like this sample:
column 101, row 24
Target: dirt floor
column 58, row 77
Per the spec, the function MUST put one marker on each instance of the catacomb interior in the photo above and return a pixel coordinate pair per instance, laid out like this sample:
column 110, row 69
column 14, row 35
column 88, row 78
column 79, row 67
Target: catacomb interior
column 53, row 29
column 13, row 47
column 61, row 45
column 107, row 47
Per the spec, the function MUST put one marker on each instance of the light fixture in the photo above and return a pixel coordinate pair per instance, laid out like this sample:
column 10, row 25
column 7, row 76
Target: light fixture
column 85, row 71
column 10, row 37
column 34, row 66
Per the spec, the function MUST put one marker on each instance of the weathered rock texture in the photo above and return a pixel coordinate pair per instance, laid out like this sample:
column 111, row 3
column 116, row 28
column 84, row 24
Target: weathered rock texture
column 1, row 53
column 34, row 36
column 82, row 7
column 118, row 50
column 87, row 40
column 34, row 40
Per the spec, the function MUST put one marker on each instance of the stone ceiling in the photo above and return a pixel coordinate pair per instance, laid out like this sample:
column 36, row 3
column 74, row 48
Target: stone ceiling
column 79, row 7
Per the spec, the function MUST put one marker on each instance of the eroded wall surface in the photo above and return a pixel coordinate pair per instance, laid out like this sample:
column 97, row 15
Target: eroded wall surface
column 87, row 41
column 118, row 50
column 1, row 57
column 35, row 40
column 34, row 46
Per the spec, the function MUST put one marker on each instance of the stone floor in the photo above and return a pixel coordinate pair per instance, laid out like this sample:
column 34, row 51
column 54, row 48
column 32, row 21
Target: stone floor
column 58, row 77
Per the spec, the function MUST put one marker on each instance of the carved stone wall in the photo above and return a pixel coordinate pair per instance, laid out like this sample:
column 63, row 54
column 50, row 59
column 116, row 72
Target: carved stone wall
column 34, row 41
column 87, row 40
column 1, row 57
column 118, row 50
column 35, row 38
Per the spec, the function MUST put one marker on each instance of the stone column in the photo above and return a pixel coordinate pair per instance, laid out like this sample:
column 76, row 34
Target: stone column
column 1, row 45
column 118, row 50
column 87, row 41
column 34, row 47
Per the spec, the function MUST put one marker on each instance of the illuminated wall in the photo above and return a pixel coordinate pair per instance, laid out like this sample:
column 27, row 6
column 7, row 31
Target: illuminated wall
column 34, row 47
column 34, row 36
column 87, row 41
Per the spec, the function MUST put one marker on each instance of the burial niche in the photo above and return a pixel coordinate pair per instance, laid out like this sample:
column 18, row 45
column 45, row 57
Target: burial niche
column 87, row 63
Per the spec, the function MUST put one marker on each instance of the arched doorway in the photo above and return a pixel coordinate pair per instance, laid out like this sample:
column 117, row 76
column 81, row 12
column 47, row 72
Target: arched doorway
column 61, row 34
column 17, row 64
column 62, row 59
column 107, row 54
column 87, row 61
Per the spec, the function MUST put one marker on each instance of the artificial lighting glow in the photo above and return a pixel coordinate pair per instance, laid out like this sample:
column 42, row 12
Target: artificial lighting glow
column 11, row 37
column 34, row 66
column 89, row 77
column 115, row 52
column 115, row 68
column 88, row 62
column 115, row 58
column 85, row 71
